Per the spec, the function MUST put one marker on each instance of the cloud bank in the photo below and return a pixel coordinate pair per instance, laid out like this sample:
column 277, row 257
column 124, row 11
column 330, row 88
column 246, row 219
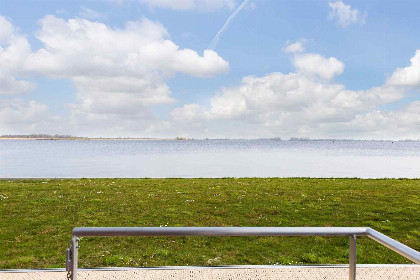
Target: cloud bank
column 120, row 75
column 307, row 103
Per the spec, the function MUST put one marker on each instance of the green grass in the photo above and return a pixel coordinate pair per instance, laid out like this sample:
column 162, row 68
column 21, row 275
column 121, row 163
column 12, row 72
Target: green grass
column 37, row 216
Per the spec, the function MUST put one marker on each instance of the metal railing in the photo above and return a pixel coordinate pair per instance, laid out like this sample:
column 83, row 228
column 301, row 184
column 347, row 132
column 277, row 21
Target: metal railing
column 352, row 232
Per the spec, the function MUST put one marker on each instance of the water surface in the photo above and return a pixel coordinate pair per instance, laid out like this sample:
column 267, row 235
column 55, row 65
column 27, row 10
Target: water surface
column 208, row 158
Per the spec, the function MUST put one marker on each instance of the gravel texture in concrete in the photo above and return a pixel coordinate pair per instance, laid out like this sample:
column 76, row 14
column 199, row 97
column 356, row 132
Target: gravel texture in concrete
column 368, row 272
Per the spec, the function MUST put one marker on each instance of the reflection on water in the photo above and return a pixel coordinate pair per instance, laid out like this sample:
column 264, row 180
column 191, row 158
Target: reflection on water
column 209, row 158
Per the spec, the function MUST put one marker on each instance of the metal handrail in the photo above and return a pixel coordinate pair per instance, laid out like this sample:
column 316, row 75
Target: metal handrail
column 352, row 232
column 394, row 245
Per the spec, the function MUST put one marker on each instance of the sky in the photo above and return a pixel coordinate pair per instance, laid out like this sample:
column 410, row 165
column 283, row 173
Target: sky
column 211, row 68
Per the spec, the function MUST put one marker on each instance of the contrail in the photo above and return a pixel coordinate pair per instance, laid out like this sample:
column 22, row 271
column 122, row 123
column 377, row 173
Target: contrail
column 216, row 38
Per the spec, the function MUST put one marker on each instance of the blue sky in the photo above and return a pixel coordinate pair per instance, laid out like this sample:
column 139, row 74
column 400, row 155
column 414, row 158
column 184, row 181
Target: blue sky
column 351, row 76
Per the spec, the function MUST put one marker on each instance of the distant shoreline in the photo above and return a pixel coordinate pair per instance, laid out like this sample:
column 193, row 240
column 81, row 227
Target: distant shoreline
column 97, row 139
column 191, row 139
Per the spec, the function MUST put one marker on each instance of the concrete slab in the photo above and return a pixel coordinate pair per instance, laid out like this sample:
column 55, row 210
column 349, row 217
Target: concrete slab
column 364, row 272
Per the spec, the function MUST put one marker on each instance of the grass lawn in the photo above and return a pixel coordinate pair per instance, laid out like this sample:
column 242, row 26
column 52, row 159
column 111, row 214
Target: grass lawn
column 37, row 216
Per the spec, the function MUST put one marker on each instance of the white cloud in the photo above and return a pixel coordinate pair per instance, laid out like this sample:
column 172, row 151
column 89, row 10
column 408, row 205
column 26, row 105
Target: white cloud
column 14, row 48
column 17, row 117
column 120, row 74
column 407, row 76
column 296, row 47
column 191, row 4
column 318, row 66
column 189, row 62
column 6, row 31
column 189, row 113
column 344, row 15
column 16, row 111
column 9, row 85
column 403, row 123
column 300, row 105
column 79, row 47
column 117, row 72
column 293, row 97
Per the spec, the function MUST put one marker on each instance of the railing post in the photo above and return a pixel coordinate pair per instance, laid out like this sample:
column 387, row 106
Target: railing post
column 352, row 262
column 75, row 249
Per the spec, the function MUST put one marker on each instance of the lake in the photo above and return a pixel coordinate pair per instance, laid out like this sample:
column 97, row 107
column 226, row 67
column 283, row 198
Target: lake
column 208, row 158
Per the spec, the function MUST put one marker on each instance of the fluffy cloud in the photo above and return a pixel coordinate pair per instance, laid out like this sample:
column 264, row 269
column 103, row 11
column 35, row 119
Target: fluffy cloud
column 79, row 47
column 10, row 85
column 403, row 123
column 16, row 111
column 318, row 66
column 189, row 113
column 186, row 121
column 289, row 98
column 296, row 47
column 190, row 4
column 298, row 104
column 30, row 117
column 344, row 15
column 407, row 76
column 14, row 48
column 118, row 72
column 7, row 29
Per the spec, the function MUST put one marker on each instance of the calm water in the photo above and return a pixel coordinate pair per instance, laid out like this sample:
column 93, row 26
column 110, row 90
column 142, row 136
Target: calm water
column 209, row 158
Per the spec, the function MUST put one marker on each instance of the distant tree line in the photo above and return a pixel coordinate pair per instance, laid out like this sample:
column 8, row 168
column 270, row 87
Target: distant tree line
column 38, row 136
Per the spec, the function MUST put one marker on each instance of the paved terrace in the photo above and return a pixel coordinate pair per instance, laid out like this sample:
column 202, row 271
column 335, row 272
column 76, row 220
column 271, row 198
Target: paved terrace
column 364, row 272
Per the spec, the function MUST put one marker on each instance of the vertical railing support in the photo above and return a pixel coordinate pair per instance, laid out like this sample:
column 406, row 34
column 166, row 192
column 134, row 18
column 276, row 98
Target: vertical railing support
column 74, row 257
column 352, row 261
